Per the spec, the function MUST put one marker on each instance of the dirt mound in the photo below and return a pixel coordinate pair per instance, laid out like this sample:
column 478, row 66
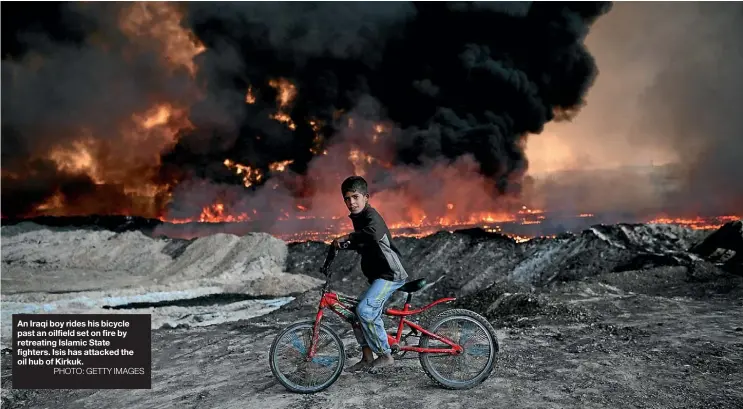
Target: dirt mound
column 52, row 259
column 458, row 263
column 724, row 247
column 92, row 222
column 225, row 258
column 511, row 304
column 466, row 261
column 507, row 281
column 75, row 270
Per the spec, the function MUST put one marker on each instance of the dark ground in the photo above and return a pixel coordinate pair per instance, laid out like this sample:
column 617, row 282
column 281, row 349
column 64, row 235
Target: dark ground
column 599, row 334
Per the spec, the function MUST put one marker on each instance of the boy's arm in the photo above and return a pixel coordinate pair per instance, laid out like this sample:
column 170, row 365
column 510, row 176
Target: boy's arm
column 370, row 233
column 352, row 241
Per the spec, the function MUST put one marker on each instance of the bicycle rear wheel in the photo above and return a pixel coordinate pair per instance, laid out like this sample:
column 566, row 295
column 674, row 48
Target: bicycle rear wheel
column 290, row 366
column 475, row 364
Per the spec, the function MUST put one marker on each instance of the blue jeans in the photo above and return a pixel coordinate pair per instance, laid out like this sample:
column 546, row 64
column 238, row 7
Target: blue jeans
column 370, row 331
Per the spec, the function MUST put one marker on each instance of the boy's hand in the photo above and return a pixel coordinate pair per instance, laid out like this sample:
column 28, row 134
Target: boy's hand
column 341, row 242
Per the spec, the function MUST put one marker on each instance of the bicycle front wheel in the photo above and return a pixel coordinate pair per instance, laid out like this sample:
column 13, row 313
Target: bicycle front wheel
column 288, row 358
column 470, row 368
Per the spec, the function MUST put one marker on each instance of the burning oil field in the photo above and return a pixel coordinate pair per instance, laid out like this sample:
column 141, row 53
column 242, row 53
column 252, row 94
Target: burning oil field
column 201, row 116
column 570, row 171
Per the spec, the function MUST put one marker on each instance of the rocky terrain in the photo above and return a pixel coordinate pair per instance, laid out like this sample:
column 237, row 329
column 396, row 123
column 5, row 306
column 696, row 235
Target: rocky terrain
column 195, row 282
column 613, row 316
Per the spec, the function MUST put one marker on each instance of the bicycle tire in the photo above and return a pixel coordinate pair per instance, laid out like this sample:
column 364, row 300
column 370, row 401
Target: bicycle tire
column 297, row 388
column 430, row 369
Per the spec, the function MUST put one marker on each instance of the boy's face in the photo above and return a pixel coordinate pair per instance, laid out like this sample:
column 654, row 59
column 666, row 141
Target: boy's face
column 355, row 201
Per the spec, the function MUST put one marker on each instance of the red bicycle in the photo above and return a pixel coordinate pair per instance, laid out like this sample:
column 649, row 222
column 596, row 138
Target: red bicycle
column 456, row 349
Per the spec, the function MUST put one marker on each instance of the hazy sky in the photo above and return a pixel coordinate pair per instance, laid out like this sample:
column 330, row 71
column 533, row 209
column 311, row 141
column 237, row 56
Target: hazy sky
column 649, row 53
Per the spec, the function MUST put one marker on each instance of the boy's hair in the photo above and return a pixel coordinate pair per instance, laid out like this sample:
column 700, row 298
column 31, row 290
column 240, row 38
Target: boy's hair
column 354, row 184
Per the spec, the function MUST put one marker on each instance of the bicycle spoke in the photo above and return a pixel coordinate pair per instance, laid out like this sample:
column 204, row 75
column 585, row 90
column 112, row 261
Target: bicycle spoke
column 291, row 358
column 471, row 361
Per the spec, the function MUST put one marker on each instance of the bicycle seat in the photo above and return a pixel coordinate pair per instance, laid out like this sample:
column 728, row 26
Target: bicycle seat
column 413, row 286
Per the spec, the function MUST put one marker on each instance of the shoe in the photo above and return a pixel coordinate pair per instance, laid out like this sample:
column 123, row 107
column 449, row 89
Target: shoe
column 360, row 366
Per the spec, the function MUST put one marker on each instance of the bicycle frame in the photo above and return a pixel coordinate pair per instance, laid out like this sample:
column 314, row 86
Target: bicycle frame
column 344, row 307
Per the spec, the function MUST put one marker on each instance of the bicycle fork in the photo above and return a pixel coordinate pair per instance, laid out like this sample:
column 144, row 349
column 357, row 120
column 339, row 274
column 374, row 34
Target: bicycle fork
column 315, row 335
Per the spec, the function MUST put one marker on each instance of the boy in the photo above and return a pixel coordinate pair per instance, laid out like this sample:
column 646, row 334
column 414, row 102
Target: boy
column 380, row 263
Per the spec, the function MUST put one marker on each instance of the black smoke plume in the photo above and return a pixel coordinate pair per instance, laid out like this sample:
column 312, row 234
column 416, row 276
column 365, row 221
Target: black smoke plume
column 455, row 80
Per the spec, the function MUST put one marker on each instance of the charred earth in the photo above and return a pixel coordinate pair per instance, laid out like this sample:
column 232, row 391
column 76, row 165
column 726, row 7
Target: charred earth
column 630, row 314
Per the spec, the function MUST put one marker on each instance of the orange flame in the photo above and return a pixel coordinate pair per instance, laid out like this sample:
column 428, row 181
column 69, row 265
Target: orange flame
column 280, row 166
column 126, row 175
column 250, row 175
column 317, row 141
column 159, row 25
column 77, row 159
column 249, row 97
column 53, row 203
column 284, row 118
column 378, row 131
column 287, row 91
column 216, row 214
column 161, row 21
column 696, row 223
column 359, row 160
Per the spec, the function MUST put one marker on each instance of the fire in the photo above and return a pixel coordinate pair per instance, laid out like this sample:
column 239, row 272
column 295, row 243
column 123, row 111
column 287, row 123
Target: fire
column 253, row 175
column 123, row 160
column 111, row 162
column 158, row 116
column 163, row 122
column 356, row 158
column 526, row 210
column 216, row 214
column 77, row 159
column 520, row 239
column 696, row 223
column 417, row 219
column 312, row 220
column 249, row 97
column 284, row 118
column 280, row 166
column 379, row 129
column 53, row 203
column 360, row 161
column 317, row 141
column 161, row 21
column 250, row 175
column 129, row 158
column 286, row 93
